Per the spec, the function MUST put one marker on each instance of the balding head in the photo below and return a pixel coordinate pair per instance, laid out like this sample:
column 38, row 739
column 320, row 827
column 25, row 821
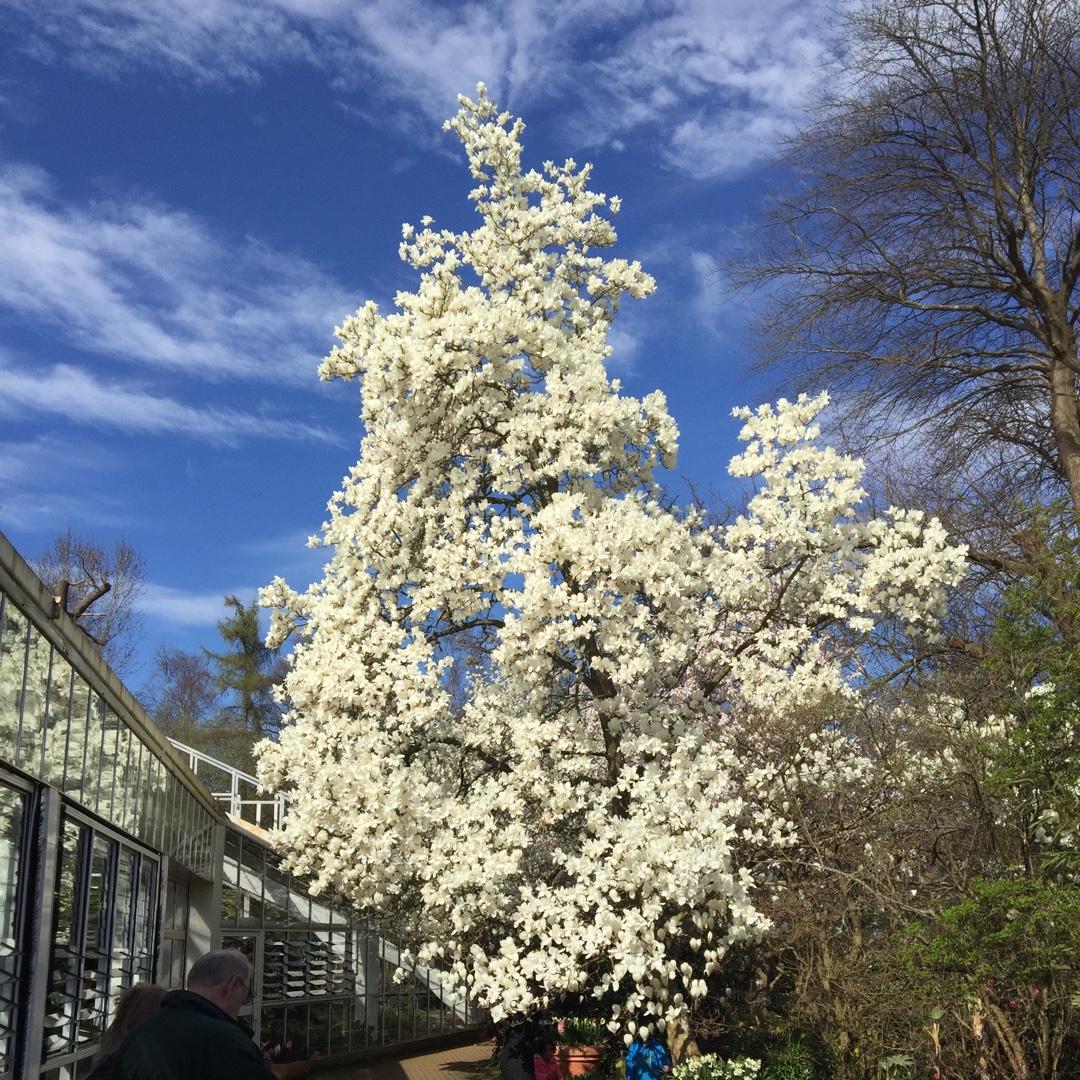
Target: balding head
column 223, row 977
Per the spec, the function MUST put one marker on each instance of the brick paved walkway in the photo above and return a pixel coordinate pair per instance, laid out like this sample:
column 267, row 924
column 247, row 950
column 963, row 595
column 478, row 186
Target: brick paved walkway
column 461, row 1063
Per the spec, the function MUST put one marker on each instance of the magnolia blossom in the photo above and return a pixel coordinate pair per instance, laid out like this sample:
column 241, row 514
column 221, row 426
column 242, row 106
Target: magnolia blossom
column 506, row 707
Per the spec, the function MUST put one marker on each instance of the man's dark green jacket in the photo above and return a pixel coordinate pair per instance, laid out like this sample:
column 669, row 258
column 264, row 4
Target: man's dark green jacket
column 190, row 1038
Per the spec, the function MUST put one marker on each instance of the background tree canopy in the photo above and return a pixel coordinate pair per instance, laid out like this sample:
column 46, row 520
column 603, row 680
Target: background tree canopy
column 923, row 263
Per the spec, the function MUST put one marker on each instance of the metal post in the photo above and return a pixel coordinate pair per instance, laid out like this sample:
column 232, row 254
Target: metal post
column 48, row 846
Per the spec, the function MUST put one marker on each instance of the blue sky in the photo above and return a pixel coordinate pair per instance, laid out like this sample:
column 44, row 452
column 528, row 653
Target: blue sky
column 193, row 193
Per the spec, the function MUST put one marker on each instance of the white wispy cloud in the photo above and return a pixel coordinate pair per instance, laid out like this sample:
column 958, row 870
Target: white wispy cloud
column 718, row 80
column 72, row 393
column 288, row 555
column 184, row 608
column 152, row 285
column 625, row 350
column 53, row 478
column 712, row 81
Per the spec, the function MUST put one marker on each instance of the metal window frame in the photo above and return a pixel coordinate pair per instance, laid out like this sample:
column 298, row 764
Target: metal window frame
column 91, row 828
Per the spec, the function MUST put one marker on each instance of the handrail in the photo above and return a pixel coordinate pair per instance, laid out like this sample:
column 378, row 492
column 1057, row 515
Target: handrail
column 428, row 978
column 272, row 807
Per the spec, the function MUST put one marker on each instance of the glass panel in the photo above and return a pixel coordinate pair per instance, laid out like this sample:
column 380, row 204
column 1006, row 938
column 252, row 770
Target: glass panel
column 154, row 796
column 34, row 701
column 111, row 725
column 285, row 1033
column 320, row 908
column 318, row 965
column 230, row 871
column 141, row 755
column 164, row 794
column 296, row 967
column 151, row 779
column 340, row 911
column 133, row 783
column 244, row 942
column 176, row 907
column 318, row 1034
column 228, row 905
column 277, row 893
column 13, row 631
column 275, row 949
column 144, row 935
column 180, row 833
column 181, row 805
column 97, row 904
column 253, row 910
column 204, row 851
column 121, row 972
column 105, row 935
column 168, row 806
column 299, row 903
column 272, row 1032
column 121, row 794
column 338, row 971
column 75, row 764
column 95, row 733
column 56, row 728
column 187, row 832
column 173, row 957
column 12, row 818
column 181, row 818
column 62, row 1009
column 340, row 1027
column 93, row 1012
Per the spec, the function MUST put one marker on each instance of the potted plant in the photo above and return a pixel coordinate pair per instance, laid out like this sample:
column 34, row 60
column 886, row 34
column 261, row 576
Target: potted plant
column 582, row 1045
column 289, row 1060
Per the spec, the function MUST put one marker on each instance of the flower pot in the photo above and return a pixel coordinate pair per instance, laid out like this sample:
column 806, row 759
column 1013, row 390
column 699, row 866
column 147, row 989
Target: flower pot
column 579, row 1060
column 291, row 1070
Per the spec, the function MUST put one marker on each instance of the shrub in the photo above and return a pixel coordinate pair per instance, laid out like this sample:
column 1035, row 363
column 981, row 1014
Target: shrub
column 713, row 1067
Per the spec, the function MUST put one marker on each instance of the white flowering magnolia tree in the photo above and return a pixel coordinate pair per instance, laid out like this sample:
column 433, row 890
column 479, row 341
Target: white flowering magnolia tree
column 569, row 820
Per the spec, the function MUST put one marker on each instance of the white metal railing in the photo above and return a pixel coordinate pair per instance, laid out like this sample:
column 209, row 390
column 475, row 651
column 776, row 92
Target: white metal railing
column 273, row 808
column 243, row 793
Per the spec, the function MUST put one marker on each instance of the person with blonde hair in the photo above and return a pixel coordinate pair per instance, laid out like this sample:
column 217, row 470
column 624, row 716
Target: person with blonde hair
column 135, row 1005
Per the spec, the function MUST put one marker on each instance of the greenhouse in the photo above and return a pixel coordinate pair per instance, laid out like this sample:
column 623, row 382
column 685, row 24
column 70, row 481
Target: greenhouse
column 119, row 864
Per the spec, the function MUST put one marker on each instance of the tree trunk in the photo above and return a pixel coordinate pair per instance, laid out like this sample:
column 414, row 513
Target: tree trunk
column 1066, row 425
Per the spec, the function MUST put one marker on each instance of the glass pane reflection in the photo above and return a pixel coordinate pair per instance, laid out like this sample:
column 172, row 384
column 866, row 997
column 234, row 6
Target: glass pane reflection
column 75, row 763
column 13, row 631
column 35, row 695
column 12, row 830
column 56, row 725
column 105, row 934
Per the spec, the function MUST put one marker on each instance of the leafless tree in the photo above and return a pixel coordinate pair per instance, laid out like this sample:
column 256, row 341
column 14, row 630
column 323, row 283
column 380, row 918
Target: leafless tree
column 924, row 262
column 181, row 693
column 100, row 589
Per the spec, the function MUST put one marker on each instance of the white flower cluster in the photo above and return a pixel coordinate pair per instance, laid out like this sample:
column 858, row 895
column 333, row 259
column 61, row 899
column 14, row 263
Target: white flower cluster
column 506, row 704
column 713, row 1067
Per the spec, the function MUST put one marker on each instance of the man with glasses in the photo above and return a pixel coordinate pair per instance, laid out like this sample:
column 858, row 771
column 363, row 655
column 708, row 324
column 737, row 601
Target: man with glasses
column 196, row 1035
